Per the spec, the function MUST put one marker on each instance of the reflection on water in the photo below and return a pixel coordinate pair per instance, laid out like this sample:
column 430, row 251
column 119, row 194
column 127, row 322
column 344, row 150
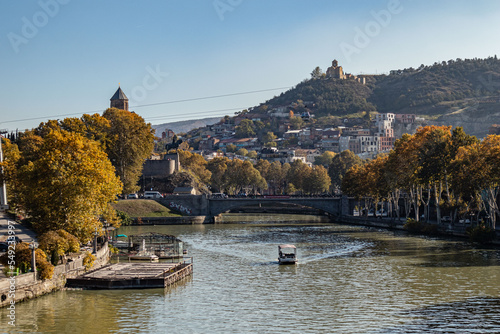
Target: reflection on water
column 348, row 280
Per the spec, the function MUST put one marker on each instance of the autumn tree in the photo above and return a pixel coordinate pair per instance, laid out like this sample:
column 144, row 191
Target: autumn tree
column 130, row 143
column 341, row 163
column 263, row 165
column 218, row 168
column 57, row 243
column 276, row 176
column 196, row 164
column 298, row 174
column 317, row 181
column 241, row 175
column 64, row 181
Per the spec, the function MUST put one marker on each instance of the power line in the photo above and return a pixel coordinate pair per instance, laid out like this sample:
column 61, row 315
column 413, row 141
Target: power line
column 190, row 114
column 153, row 104
column 209, row 97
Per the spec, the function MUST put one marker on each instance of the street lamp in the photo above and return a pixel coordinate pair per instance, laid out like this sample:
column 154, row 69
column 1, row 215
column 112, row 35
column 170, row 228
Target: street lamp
column 33, row 247
column 95, row 241
column 3, row 187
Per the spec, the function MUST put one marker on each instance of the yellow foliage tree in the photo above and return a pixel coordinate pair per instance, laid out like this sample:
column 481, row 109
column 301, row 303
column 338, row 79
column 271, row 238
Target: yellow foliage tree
column 130, row 143
column 65, row 181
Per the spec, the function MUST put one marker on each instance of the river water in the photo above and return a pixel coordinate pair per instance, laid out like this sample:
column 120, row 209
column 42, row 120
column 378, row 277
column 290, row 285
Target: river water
column 349, row 280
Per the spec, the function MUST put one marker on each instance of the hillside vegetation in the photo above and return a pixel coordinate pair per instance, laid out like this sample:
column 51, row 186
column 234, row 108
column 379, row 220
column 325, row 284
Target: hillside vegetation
column 434, row 90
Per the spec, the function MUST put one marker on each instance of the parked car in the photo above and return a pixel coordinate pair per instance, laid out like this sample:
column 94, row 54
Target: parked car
column 14, row 238
column 4, row 246
column 446, row 219
column 152, row 195
column 132, row 196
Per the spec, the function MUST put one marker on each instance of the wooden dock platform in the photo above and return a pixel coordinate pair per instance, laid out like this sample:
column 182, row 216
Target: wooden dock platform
column 133, row 276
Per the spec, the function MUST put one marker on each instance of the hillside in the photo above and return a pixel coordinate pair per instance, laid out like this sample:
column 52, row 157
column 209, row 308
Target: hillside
column 331, row 97
column 185, row 126
column 434, row 90
column 426, row 90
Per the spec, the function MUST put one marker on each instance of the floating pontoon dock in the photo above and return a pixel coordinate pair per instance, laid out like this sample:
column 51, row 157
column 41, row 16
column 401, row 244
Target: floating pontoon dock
column 133, row 276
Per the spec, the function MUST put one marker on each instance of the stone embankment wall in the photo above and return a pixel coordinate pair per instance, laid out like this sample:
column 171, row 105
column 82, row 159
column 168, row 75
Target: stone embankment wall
column 185, row 220
column 27, row 286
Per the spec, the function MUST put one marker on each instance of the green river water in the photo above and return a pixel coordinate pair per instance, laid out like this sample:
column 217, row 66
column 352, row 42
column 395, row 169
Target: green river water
column 348, row 280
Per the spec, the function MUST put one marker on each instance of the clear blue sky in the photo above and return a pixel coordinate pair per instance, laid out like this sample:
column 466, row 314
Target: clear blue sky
column 61, row 57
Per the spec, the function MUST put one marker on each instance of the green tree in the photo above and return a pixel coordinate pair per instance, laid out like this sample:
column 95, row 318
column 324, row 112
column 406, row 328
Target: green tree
column 131, row 142
column 317, row 73
column 297, row 122
column 269, row 139
column 245, row 129
column 324, row 159
column 252, row 154
column 231, row 148
column 242, row 151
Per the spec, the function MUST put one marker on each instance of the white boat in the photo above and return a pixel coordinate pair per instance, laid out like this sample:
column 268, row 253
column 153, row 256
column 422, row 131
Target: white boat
column 287, row 254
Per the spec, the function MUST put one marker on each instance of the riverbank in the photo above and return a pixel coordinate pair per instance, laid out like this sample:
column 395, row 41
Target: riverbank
column 444, row 230
column 27, row 286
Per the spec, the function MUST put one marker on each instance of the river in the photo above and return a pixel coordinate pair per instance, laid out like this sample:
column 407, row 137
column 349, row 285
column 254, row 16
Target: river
column 349, row 280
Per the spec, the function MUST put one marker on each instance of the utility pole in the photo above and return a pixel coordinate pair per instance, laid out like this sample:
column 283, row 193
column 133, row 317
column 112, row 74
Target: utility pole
column 3, row 191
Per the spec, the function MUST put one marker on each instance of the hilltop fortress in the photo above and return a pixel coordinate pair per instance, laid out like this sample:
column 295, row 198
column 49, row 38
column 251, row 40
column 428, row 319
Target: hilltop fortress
column 336, row 72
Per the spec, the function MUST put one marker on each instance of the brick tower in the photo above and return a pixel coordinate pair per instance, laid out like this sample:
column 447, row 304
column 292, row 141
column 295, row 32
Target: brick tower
column 119, row 100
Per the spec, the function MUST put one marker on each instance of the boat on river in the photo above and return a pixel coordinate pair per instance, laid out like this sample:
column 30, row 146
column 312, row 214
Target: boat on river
column 287, row 254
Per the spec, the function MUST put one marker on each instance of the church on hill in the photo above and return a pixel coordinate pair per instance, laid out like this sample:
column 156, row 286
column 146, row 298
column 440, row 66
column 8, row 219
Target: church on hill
column 119, row 100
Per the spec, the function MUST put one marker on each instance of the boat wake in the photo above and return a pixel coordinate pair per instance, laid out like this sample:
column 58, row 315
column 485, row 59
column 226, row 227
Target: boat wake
column 339, row 252
column 244, row 251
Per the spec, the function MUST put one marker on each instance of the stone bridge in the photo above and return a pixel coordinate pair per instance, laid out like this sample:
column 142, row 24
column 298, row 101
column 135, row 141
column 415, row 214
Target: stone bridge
column 202, row 205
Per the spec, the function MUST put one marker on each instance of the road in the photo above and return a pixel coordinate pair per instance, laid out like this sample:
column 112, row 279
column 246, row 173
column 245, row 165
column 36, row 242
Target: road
column 20, row 231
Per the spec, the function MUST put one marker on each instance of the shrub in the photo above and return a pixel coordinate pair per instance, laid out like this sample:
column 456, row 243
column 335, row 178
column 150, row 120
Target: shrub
column 416, row 227
column 57, row 243
column 22, row 258
column 124, row 218
column 113, row 249
column 481, row 233
column 88, row 261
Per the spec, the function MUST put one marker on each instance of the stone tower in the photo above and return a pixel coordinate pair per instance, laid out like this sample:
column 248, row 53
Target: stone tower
column 335, row 71
column 119, row 100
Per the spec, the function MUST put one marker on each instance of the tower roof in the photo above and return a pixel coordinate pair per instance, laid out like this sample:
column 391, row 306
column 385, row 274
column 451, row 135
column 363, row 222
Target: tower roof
column 119, row 95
